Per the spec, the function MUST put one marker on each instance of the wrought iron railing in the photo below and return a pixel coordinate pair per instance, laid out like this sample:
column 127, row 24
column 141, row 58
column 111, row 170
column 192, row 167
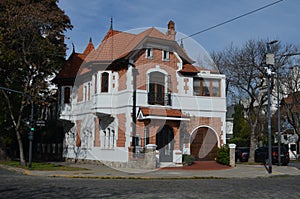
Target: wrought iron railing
column 164, row 99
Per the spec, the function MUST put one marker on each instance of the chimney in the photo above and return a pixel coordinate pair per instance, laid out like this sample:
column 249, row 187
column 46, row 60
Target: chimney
column 171, row 30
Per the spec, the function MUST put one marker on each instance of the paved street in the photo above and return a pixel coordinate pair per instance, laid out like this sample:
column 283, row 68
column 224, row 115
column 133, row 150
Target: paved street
column 22, row 186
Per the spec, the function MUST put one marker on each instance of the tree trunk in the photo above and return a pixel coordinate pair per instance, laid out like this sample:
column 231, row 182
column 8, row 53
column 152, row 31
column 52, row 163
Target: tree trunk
column 20, row 143
column 253, row 142
column 17, row 127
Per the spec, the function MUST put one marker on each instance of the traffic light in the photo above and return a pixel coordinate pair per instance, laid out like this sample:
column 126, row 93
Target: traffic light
column 32, row 129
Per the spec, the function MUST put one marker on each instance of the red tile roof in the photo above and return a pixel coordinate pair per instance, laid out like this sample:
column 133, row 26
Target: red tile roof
column 163, row 112
column 189, row 68
column 118, row 44
column 70, row 70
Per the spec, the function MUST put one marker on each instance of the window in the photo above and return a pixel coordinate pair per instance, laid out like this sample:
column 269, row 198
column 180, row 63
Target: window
column 85, row 93
column 89, row 92
column 156, row 88
column 215, row 88
column 196, row 86
column 104, row 82
column 109, row 138
column 67, row 95
column 206, row 87
column 165, row 55
column 95, row 91
column 149, row 53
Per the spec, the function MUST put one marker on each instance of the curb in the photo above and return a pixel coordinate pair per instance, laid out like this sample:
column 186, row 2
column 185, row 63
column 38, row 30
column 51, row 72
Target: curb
column 166, row 176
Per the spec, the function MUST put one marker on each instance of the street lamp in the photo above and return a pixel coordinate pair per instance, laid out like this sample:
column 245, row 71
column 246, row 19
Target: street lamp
column 270, row 60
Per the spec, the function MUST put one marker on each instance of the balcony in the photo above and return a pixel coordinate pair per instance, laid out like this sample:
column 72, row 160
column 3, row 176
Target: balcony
column 164, row 99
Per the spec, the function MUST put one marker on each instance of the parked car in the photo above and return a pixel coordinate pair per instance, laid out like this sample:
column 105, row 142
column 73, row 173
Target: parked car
column 242, row 154
column 261, row 155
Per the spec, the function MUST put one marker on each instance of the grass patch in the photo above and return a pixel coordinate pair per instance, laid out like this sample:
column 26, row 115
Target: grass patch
column 43, row 166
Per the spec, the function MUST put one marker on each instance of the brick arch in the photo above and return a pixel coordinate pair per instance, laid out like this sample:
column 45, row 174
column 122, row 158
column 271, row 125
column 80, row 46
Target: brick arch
column 204, row 142
column 208, row 127
column 214, row 123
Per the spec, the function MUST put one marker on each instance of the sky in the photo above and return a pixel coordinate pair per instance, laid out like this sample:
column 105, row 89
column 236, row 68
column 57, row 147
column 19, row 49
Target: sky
column 91, row 19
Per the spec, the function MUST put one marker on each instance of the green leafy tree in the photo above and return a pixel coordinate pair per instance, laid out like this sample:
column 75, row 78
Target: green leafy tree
column 32, row 49
column 241, row 131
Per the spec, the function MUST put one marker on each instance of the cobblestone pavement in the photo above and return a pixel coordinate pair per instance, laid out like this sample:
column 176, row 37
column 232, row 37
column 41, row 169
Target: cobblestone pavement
column 105, row 172
column 15, row 185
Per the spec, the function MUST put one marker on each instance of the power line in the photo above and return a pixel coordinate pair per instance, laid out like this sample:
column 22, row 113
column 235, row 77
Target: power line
column 233, row 19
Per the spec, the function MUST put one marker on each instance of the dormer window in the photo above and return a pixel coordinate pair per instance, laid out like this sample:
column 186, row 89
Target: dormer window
column 149, row 53
column 165, row 55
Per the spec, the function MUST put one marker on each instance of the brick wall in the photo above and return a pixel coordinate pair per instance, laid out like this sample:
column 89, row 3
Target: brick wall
column 80, row 93
column 121, row 130
column 122, row 80
column 97, row 133
column 215, row 123
column 143, row 64
column 78, row 130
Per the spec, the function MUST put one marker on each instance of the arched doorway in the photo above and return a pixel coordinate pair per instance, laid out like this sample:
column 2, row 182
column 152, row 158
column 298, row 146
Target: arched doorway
column 204, row 144
column 165, row 144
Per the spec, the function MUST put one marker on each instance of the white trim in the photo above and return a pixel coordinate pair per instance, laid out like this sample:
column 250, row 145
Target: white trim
column 163, row 118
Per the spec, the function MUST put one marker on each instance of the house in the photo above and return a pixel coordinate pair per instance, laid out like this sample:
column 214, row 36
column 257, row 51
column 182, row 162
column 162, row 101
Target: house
column 140, row 92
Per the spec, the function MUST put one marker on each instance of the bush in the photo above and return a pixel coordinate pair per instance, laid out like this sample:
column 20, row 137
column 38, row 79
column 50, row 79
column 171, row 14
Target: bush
column 223, row 155
column 240, row 142
column 187, row 159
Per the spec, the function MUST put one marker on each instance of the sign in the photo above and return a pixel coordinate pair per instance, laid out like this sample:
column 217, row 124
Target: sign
column 40, row 123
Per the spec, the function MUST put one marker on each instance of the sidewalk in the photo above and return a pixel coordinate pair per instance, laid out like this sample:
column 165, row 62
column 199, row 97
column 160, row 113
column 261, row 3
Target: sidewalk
column 104, row 172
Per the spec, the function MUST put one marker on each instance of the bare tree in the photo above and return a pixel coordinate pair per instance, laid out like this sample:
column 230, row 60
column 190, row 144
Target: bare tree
column 246, row 81
column 290, row 91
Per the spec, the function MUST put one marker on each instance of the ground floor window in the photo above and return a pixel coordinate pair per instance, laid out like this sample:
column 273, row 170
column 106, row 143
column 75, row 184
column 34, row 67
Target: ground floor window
column 109, row 138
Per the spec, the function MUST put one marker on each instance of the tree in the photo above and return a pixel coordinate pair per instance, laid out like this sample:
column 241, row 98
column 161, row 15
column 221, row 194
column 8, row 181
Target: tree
column 32, row 49
column 290, row 104
column 245, row 73
column 241, row 131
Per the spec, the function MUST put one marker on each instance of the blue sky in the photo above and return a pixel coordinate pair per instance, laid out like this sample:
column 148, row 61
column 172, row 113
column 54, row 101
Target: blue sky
column 91, row 18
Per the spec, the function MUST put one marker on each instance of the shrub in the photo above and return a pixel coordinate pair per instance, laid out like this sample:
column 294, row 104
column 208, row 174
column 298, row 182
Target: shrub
column 187, row 159
column 223, row 155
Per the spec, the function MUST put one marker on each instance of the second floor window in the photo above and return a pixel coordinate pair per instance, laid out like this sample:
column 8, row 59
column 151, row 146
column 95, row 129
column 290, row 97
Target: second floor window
column 165, row 55
column 156, row 88
column 206, row 87
column 104, row 82
column 149, row 53
column 67, row 94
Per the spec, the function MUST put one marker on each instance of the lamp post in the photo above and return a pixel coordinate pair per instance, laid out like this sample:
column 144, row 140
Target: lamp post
column 278, row 116
column 270, row 60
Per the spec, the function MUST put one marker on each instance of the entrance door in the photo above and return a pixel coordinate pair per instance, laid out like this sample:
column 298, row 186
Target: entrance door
column 204, row 145
column 165, row 144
